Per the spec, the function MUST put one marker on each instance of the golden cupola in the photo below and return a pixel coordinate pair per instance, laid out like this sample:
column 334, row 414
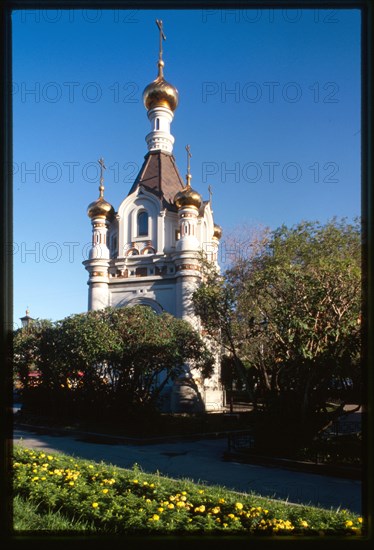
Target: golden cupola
column 160, row 93
column 101, row 208
column 217, row 231
column 188, row 196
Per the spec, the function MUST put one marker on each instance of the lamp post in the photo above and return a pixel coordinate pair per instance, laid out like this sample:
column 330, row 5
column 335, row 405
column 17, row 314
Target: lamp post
column 26, row 320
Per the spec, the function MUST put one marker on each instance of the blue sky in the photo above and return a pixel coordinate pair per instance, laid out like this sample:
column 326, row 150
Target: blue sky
column 269, row 103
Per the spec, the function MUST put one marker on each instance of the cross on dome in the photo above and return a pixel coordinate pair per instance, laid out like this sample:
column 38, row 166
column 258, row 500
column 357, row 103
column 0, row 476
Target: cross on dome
column 210, row 190
column 162, row 37
column 100, row 207
column 188, row 175
column 102, row 167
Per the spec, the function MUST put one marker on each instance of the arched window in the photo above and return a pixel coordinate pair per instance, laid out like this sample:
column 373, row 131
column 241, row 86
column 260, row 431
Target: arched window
column 142, row 224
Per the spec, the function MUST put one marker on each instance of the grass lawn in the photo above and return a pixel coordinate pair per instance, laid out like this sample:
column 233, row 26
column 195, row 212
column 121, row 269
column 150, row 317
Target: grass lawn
column 60, row 493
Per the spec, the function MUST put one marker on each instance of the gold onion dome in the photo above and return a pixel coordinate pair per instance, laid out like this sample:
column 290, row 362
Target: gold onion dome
column 217, row 231
column 101, row 208
column 160, row 93
column 188, row 197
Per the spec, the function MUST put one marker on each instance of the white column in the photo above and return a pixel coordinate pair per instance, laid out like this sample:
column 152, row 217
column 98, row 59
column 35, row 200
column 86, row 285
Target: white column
column 188, row 229
column 97, row 265
column 98, row 295
column 188, row 280
column 160, row 137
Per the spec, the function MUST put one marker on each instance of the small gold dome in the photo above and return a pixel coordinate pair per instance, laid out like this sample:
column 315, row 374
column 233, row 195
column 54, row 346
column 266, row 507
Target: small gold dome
column 160, row 93
column 100, row 207
column 188, row 197
column 217, row 231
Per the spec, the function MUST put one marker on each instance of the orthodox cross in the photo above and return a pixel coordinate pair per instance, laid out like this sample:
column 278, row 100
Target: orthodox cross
column 162, row 37
column 102, row 167
column 188, row 175
column 210, row 190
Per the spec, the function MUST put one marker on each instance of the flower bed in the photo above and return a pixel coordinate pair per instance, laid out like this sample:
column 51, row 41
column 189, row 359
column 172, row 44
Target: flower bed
column 115, row 500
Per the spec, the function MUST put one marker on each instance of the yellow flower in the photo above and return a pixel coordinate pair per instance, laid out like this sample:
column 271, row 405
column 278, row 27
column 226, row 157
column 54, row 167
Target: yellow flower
column 180, row 504
column 303, row 523
column 135, row 481
column 95, row 504
column 71, row 483
column 171, row 505
column 348, row 523
column 155, row 517
column 216, row 510
column 359, row 520
column 221, row 500
column 105, row 491
column 50, row 457
column 184, row 493
column 239, row 506
column 200, row 508
column 231, row 516
column 201, row 491
column 160, row 510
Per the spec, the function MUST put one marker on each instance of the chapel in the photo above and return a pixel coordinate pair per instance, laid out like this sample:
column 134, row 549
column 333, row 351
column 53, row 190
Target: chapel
column 148, row 251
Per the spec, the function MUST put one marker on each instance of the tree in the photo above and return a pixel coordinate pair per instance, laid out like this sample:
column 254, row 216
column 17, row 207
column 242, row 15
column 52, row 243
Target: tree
column 26, row 343
column 305, row 283
column 110, row 361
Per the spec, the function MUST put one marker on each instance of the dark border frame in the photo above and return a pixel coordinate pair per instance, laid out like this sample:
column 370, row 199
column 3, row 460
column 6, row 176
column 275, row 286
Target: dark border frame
column 6, row 266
